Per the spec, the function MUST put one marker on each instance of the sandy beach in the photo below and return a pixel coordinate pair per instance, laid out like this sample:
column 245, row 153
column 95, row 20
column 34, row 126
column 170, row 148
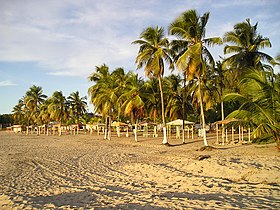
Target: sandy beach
column 86, row 172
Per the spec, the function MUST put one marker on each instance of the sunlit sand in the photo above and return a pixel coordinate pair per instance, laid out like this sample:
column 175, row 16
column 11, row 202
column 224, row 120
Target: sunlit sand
column 84, row 171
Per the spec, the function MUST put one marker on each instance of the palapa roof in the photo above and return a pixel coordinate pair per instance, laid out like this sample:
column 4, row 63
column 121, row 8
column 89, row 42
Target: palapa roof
column 180, row 122
column 117, row 124
column 145, row 123
column 226, row 121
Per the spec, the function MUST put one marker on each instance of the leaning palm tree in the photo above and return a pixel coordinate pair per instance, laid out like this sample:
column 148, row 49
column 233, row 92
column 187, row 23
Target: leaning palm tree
column 77, row 105
column 153, row 51
column 258, row 107
column 191, row 27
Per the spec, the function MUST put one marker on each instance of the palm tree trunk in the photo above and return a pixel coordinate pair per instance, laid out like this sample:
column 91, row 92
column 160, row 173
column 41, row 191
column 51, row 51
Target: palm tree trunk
column 164, row 141
column 202, row 114
column 183, row 98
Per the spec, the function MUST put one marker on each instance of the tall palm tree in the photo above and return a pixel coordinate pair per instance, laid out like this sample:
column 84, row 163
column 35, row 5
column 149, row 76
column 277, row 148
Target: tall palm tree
column 58, row 107
column 77, row 105
column 34, row 97
column 153, row 52
column 245, row 44
column 191, row 27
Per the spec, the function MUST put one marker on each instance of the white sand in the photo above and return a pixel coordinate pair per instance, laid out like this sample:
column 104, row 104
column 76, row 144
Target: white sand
column 87, row 172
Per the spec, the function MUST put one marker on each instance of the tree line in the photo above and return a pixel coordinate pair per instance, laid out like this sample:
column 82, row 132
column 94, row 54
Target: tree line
column 36, row 108
column 241, row 85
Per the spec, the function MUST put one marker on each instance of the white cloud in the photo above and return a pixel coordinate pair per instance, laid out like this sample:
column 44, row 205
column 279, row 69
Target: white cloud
column 70, row 38
column 7, row 83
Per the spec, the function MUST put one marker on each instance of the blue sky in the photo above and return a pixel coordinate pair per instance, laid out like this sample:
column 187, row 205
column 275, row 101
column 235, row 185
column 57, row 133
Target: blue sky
column 57, row 44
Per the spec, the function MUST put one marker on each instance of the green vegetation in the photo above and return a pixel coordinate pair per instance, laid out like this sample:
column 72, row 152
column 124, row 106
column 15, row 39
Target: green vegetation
column 242, row 85
column 36, row 108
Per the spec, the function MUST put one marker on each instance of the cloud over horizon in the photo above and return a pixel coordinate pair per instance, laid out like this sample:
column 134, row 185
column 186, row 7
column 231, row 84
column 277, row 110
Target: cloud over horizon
column 70, row 37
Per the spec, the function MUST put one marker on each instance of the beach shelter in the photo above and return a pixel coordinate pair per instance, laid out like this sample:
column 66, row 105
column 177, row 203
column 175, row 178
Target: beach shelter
column 118, row 125
column 240, row 131
column 178, row 124
column 146, row 126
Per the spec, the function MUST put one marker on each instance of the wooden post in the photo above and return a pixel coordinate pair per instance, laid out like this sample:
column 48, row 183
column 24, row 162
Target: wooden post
column 249, row 135
column 242, row 131
column 127, row 135
column 192, row 131
column 226, row 136
column 232, row 134
column 217, row 133
column 239, row 134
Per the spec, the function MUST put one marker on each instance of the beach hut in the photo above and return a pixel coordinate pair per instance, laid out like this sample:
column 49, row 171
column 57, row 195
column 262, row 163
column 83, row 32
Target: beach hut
column 226, row 123
column 146, row 129
column 118, row 126
column 17, row 128
column 179, row 125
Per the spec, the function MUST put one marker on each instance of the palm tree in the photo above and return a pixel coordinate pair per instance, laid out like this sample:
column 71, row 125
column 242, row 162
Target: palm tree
column 174, row 92
column 58, row 107
column 151, row 98
column 77, row 105
column 34, row 97
column 18, row 112
column 258, row 107
column 44, row 114
column 245, row 46
column 153, row 51
column 120, row 78
column 191, row 27
column 133, row 104
column 103, row 94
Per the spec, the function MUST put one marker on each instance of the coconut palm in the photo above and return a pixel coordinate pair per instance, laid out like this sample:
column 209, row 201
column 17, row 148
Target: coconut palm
column 44, row 114
column 191, row 27
column 120, row 78
column 133, row 104
column 34, row 97
column 153, row 52
column 174, row 96
column 245, row 45
column 77, row 105
column 58, row 107
column 151, row 98
column 103, row 94
column 258, row 107
column 18, row 113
